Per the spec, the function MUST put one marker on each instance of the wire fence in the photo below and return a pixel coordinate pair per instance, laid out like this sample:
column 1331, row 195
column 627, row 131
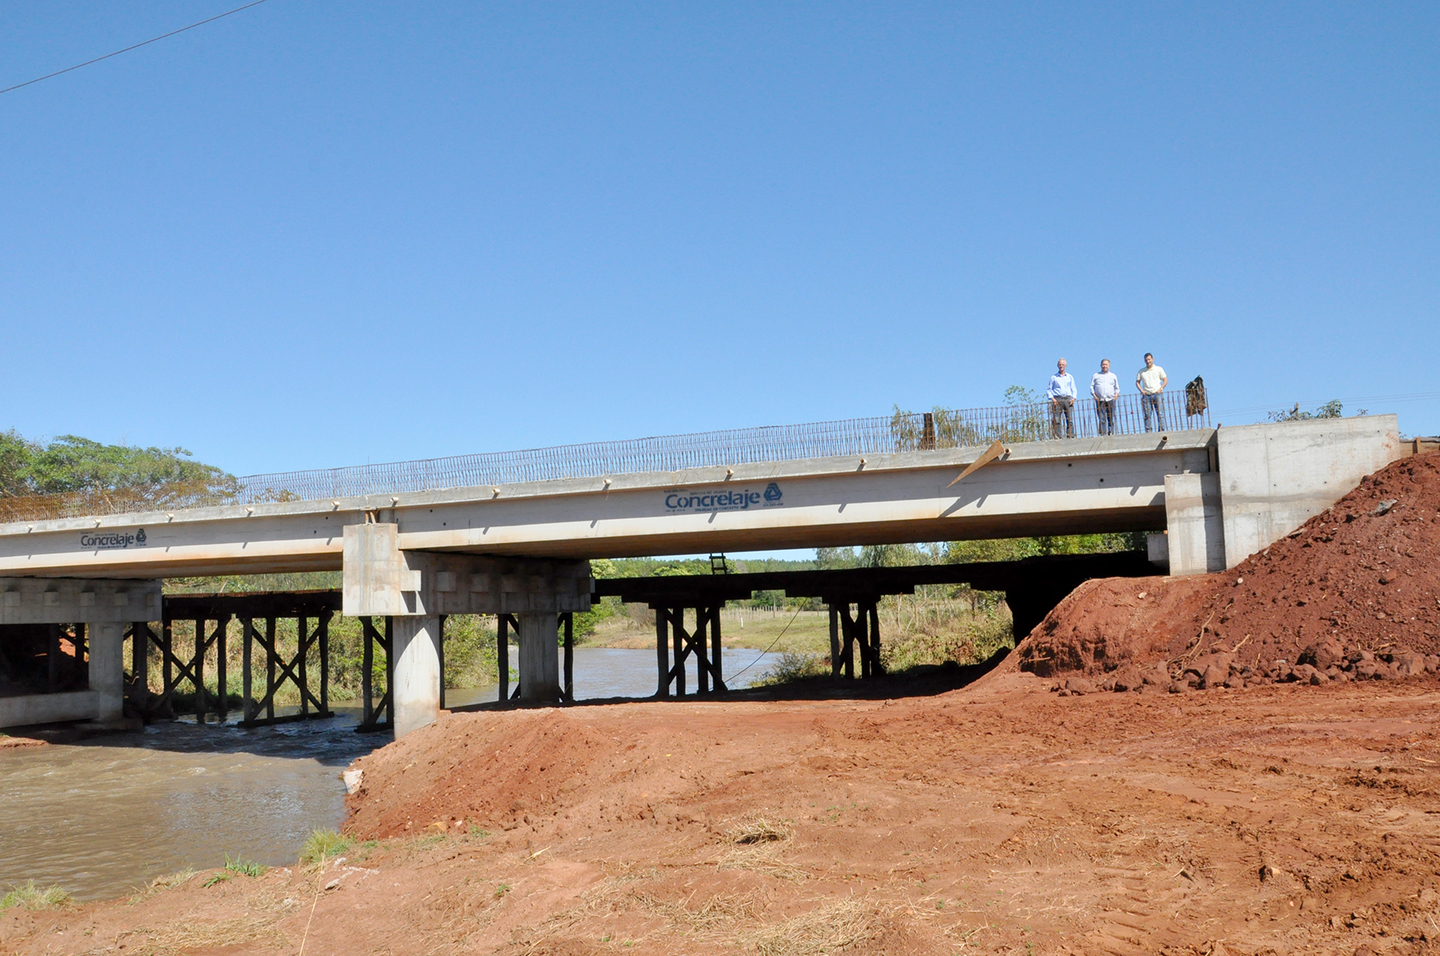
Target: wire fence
column 900, row 432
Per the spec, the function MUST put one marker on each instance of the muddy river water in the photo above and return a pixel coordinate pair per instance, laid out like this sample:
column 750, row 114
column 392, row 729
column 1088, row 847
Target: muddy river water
column 103, row 817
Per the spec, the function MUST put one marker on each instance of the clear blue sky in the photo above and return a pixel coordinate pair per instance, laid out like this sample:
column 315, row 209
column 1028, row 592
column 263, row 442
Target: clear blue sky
column 320, row 233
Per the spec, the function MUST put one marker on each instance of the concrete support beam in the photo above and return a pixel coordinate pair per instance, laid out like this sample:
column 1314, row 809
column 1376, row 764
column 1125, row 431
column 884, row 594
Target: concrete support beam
column 106, row 640
column 1275, row 477
column 77, row 600
column 380, row 578
column 1195, row 528
column 415, row 692
column 539, row 657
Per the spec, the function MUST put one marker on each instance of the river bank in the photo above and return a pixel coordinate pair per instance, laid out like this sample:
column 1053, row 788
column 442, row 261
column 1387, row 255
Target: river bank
column 995, row 818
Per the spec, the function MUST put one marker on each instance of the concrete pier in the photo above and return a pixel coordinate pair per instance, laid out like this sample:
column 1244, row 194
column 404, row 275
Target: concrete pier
column 539, row 657
column 416, row 685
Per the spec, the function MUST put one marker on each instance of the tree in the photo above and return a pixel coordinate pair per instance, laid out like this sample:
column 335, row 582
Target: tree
column 76, row 475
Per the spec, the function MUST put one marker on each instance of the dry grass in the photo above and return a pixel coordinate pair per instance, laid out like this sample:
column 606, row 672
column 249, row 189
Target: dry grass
column 754, row 843
column 712, row 914
column 165, row 882
column 828, row 928
column 185, row 936
column 757, row 828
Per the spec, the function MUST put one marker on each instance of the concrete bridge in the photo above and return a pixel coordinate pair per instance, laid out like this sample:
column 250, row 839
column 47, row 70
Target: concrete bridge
column 1210, row 496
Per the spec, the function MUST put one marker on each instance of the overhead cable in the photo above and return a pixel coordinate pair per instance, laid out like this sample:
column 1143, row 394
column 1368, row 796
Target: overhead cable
column 136, row 46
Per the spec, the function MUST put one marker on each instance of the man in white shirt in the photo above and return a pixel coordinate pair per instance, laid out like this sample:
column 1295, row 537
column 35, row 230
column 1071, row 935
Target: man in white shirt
column 1061, row 392
column 1105, row 389
column 1151, row 381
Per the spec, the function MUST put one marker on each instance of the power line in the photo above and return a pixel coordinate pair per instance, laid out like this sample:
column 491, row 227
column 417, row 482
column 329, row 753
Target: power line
column 136, row 46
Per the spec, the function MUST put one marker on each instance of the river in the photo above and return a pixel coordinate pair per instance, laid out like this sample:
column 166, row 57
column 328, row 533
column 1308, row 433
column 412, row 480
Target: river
column 103, row 817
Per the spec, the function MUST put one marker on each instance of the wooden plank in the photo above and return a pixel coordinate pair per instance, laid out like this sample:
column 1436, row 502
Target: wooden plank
column 569, row 664
column 502, row 655
column 247, row 701
column 662, row 652
column 715, row 648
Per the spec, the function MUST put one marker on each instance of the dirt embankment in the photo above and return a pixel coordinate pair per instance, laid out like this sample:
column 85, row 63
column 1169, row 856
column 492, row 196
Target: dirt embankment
column 1352, row 594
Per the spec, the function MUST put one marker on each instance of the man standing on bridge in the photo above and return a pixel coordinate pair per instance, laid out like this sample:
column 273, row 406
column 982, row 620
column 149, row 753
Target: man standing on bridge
column 1151, row 381
column 1061, row 393
column 1105, row 389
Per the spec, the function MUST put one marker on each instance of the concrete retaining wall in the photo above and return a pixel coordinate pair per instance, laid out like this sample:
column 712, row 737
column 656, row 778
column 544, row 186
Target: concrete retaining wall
column 1275, row 477
column 49, row 708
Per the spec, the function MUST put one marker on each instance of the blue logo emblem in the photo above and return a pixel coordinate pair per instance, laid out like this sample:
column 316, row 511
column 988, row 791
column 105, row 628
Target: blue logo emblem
column 772, row 492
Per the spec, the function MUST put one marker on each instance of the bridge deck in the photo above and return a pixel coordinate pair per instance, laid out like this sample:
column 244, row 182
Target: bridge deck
column 1055, row 487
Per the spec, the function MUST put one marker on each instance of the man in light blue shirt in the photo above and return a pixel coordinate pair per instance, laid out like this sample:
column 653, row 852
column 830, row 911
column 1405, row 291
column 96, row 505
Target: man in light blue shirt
column 1061, row 393
column 1105, row 389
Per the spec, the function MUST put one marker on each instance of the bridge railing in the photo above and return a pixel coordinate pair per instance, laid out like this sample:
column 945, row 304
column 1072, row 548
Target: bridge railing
column 902, row 431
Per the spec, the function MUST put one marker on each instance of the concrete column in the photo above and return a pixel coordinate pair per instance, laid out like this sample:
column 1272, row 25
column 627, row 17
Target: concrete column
column 1194, row 524
column 415, row 690
column 107, row 668
column 539, row 656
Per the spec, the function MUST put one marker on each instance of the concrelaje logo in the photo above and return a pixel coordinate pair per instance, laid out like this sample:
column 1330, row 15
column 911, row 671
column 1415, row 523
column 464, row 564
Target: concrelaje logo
column 113, row 540
column 736, row 499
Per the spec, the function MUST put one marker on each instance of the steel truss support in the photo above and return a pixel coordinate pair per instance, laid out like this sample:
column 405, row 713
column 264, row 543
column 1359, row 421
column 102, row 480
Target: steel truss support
column 703, row 642
column 505, row 624
column 849, row 632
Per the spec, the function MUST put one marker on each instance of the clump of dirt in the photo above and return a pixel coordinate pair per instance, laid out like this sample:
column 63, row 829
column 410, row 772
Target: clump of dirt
column 1356, row 585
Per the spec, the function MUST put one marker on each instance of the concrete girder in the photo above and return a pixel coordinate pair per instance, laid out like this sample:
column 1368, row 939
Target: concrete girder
column 1057, row 487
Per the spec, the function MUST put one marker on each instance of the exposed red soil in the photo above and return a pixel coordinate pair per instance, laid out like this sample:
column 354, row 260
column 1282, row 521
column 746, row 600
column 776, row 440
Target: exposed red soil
column 1360, row 579
column 998, row 818
column 995, row 819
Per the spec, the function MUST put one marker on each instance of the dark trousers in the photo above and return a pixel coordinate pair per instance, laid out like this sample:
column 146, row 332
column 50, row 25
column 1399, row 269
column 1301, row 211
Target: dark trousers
column 1104, row 416
column 1150, row 405
column 1062, row 408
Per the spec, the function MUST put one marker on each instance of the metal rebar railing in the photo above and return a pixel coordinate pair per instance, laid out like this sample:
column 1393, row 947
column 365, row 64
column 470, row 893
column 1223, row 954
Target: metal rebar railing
column 902, row 431
column 856, row 436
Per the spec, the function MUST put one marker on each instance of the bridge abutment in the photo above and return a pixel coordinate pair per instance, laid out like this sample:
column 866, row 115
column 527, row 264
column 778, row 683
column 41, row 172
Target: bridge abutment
column 103, row 607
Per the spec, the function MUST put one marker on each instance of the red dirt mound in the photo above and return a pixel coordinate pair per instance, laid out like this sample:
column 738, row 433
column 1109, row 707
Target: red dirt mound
column 1359, row 581
column 532, row 760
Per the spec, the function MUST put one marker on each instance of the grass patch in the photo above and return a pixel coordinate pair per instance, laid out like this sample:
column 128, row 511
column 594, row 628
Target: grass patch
column 323, row 845
column 31, row 897
column 792, row 668
column 234, row 868
column 244, row 867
